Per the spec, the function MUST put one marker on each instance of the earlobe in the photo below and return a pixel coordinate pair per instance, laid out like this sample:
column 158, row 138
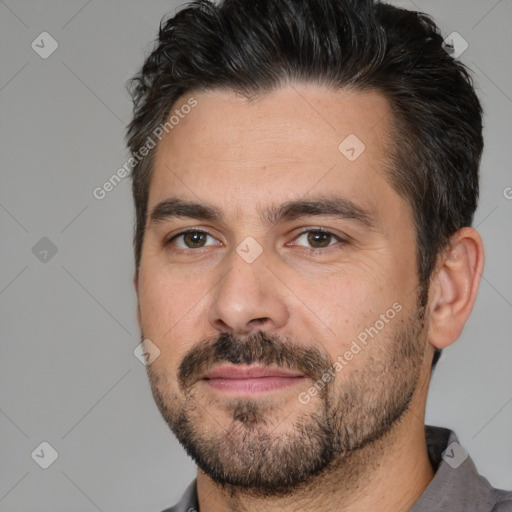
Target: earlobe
column 454, row 286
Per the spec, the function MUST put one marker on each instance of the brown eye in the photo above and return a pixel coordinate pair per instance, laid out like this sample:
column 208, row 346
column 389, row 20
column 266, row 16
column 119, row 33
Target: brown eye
column 192, row 239
column 317, row 239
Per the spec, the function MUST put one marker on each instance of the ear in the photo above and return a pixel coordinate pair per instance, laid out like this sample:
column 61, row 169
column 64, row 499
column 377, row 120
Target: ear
column 454, row 286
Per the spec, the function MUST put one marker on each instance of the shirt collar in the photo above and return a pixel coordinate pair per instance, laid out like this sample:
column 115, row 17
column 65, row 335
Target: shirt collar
column 456, row 485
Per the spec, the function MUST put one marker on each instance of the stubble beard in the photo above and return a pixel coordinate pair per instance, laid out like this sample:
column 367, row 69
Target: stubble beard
column 254, row 454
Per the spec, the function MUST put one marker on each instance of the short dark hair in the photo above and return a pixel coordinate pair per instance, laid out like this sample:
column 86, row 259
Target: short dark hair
column 256, row 46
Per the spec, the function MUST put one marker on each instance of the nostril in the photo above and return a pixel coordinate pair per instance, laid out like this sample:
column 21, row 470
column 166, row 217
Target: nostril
column 259, row 321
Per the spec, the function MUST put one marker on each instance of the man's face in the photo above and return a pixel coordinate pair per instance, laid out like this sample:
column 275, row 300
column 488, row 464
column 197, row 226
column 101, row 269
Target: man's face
column 308, row 293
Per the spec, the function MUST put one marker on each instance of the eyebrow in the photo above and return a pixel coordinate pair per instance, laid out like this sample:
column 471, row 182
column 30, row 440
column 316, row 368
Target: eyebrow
column 330, row 206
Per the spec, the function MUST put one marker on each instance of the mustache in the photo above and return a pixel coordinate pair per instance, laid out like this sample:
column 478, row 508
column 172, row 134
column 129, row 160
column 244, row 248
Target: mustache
column 258, row 348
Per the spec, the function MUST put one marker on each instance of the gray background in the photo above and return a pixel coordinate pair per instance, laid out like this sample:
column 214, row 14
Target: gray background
column 68, row 325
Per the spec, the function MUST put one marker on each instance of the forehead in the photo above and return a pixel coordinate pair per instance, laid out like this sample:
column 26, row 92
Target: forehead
column 288, row 143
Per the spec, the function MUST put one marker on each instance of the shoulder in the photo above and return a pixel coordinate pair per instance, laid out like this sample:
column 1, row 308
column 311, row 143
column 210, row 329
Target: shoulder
column 503, row 501
column 457, row 485
column 188, row 501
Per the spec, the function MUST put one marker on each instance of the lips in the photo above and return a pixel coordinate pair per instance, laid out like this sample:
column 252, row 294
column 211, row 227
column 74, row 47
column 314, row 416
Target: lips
column 250, row 379
column 248, row 372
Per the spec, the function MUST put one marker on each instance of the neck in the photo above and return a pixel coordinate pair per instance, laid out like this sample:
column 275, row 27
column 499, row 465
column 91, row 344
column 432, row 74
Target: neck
column 389, row 474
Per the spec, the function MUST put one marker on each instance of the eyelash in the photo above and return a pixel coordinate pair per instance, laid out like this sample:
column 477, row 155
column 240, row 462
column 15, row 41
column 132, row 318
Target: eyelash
column 311, row 250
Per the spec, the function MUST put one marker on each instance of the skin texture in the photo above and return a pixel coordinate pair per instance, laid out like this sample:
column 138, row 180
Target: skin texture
column 206, row 305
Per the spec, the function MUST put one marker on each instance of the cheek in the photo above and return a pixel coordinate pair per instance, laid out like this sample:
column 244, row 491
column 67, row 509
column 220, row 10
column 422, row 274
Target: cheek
column 155, row 304
column 164, row 296
column 350, row 308
column 170, row 309
column 346, row 297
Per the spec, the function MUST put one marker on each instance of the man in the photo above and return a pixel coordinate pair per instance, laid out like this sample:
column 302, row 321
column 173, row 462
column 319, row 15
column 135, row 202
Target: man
column 305, row 178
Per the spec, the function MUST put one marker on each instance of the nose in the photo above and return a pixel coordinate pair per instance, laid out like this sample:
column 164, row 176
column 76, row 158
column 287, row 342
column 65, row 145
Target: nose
column 248, row 298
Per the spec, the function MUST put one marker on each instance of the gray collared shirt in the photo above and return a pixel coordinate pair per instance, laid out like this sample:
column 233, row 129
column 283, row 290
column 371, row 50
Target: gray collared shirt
column 456, row 487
